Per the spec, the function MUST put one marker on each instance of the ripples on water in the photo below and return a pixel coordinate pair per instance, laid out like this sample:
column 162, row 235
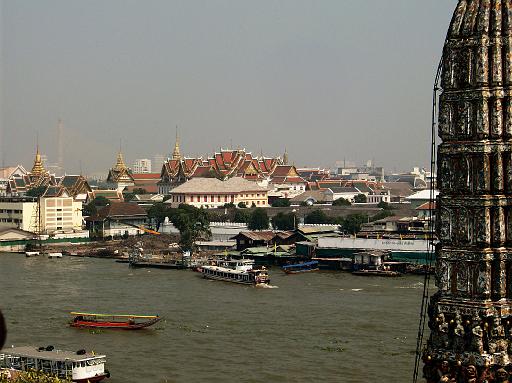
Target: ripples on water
column 316, row 327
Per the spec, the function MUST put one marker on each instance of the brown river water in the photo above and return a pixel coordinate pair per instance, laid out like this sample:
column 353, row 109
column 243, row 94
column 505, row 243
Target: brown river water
column 315, row 327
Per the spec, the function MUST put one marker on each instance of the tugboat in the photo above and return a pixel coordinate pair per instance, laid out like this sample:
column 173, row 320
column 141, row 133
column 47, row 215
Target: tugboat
column 237, row 271
column 79, row 366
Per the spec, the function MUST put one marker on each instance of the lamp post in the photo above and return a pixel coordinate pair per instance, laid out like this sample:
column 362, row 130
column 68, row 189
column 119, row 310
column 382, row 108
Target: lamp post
column 294, row 225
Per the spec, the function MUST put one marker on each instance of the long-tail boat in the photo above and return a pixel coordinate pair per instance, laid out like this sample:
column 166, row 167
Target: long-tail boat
column 124, row 321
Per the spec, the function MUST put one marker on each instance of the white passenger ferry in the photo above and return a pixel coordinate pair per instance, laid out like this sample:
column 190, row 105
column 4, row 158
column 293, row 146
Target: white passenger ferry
column 80, row 366
column 237, row 271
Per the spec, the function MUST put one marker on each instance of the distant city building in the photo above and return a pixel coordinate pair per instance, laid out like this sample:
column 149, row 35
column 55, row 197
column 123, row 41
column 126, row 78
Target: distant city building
column 56, row 212
column 142, row 165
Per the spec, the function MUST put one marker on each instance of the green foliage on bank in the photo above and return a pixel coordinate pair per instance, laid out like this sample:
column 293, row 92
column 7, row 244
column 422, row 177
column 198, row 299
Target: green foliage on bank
column 32, row 377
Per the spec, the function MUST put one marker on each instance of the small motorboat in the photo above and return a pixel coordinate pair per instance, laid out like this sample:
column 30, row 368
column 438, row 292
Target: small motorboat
column 109, row 321
column 304, row 267
column 29, row 254
column 54, row 255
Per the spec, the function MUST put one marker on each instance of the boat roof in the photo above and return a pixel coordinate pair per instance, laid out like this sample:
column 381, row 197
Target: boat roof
column 114, row 315
column 56, row 355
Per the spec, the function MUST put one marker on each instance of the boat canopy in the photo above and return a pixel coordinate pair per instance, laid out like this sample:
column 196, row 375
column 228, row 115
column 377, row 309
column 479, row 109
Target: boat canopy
column 114, row 315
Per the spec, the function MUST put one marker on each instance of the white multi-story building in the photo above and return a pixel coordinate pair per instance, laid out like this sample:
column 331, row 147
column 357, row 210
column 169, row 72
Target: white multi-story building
column 142, row 165
column 55, row 213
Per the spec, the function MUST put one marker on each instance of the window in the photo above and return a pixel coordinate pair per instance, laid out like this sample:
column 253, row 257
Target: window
column 205, row 198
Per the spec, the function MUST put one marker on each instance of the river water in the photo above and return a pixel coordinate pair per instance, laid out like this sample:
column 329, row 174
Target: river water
column 316, row 327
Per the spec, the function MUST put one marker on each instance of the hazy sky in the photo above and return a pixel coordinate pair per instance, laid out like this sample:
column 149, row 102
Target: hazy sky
column 326, row 79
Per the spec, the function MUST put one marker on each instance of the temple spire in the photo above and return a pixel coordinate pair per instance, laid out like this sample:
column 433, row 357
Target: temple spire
column 176, row 155
column 285, row 157
column 120, row 165
column 38, row 168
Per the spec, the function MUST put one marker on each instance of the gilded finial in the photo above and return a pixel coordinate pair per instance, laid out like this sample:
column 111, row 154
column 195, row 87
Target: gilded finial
column 176, row 155
column 38, row 168
column 120, row 165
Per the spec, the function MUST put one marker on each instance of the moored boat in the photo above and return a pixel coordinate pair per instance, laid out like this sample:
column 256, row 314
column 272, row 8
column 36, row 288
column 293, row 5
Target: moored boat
column 304, row 267
column 109, row 321
column 377, row 273
column 29, row 254
column 238, row 271
column 54, row 255
column 79, row 366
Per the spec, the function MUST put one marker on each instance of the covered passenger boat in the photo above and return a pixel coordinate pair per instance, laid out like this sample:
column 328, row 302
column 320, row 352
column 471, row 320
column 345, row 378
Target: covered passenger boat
column 79, row 366
column 304, row 267
column 238, row 271
column 124, row 321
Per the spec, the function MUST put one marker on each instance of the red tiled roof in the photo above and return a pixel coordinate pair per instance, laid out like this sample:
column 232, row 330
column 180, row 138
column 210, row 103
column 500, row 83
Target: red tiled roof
column 427, row 206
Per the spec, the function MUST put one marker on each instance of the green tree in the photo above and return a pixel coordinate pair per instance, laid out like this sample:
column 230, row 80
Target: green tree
column 281, row 202
column 241, row 216
column 157, row 213
column 258, row 219
column 38, row 191
column 381, row 215
column 242, row 205
column 92, row 207
column 317, row 216
column 352, row 223
column 284, row 221
column 360, row 198
column 341, row 202
column 193, row 224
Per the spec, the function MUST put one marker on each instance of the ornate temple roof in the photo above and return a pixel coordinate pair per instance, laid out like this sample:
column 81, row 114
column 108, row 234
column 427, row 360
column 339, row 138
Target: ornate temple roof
column 120, row 172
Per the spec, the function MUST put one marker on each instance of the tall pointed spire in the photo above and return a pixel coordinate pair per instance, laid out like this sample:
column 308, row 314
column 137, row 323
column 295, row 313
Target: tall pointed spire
column 38, row 168
column 120, row 165
column 285, row 157
column 176, row 155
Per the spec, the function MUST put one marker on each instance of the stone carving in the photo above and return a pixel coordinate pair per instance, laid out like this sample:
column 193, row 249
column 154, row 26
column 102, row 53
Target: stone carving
column 458, row 335
column 477, row 340
column 501, row 376
column 474, row 214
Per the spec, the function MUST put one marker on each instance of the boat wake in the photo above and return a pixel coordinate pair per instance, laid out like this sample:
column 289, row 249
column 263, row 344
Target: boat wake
column 264, row 286
column 418, row 285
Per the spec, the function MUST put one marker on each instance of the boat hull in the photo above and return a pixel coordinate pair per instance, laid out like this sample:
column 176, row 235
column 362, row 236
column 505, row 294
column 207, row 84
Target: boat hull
column 224, row 279
column 114, row 325
column 300, row 271
column 94, row 379
column 377, row 273
column 156, row 265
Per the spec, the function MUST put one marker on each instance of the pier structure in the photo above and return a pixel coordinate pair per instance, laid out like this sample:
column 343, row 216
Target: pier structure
column 470, row 315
